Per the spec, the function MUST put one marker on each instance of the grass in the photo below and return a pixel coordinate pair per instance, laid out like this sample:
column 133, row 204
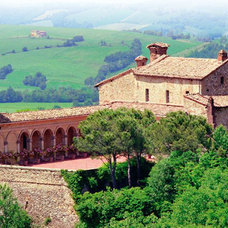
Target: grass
column 68, row 66
column 18, row 107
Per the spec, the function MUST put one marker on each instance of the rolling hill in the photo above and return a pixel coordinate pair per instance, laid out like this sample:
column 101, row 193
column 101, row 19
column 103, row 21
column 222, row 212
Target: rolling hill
column 67, row 66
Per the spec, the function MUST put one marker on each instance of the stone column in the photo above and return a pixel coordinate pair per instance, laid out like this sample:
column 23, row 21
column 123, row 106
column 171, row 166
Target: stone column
column 5, row 146
column 18, row 146
column 53, row 141
column 42, row 143
column 65, row 140
column 29, row 144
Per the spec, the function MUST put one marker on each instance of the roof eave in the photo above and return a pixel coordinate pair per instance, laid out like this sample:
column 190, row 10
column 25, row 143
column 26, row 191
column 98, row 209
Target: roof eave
column 114, row 77
column 168, row 76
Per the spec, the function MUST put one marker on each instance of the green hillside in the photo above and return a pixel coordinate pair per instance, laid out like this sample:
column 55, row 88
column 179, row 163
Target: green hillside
column 67, row 66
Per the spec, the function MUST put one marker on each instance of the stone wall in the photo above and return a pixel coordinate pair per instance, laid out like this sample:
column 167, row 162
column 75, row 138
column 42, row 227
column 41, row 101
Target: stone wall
column 42, row 193
column 119, row 89
column 221, row 116
column 212, row 86
column 195, row 108
column 159, row 85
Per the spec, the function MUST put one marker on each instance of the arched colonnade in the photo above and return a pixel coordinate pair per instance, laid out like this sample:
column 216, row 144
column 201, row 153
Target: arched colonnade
column 37, row 138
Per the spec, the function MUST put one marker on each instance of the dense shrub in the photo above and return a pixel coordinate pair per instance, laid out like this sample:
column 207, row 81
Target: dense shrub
column 39, row 80
column 112, row 204
column 4, row 71
column 97, row 180
column 11, row 214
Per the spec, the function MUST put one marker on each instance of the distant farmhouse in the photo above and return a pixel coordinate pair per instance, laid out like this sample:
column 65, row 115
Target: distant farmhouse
column 165, row 84
column 38, row 34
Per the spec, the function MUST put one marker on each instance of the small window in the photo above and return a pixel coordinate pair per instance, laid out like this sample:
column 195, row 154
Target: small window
column 222, row 80
column 167, row 96
column 186, row 92
column 207, row 90
column 147, row 95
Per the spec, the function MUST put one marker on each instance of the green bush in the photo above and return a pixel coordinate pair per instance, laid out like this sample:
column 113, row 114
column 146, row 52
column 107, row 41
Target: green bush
column 11, row 214
column 97, row 180
column 96, row 210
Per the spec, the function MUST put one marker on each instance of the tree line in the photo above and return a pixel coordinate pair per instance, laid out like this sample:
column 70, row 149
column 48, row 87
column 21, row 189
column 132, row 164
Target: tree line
column 188, row 188
column 211, row 50
column 116, row 61
column 80, row 97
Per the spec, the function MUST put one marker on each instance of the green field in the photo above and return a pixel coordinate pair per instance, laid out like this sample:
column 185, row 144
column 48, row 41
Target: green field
column 67, row 66
column 18, row 107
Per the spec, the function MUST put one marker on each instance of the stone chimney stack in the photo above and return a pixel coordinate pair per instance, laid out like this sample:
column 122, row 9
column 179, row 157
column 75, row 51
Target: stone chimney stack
column 157, row 50
column 222, row 55
column 141, row 60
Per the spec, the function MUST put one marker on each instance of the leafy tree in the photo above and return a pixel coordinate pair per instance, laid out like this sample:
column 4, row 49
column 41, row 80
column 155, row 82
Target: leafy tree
column 161, row 184
column 11, row 214
column 220, row 140
column 179, row 131
column 99, row 137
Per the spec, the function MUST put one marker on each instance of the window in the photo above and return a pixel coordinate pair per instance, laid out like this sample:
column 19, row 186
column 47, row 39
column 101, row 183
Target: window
column 222, row 80
column 186, row 92
column 147, row 95
column 167, row 96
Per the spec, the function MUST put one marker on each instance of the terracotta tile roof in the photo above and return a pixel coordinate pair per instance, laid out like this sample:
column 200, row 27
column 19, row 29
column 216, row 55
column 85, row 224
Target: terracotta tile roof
column 219, row 101
column 158, row 110
column 47, row 114
column 179, row 67
column 198, row 98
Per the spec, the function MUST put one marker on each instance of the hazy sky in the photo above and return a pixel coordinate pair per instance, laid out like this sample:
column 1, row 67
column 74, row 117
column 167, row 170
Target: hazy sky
column 177, row 3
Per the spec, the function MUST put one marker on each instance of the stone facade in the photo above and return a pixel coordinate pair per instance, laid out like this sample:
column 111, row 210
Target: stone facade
column 120, row 89
column 42, row 193
column 216, row 83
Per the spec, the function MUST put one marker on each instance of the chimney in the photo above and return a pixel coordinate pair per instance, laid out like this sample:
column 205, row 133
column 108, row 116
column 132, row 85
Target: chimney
column 141, row 60
column 157, row 50
column 222, row 55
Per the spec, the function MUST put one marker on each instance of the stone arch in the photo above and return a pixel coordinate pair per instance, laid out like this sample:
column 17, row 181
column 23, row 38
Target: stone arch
column 71, row 133
column 48, row 138
column 60, row 136
column 24, row 141
column 36, row 139
column 12, row 142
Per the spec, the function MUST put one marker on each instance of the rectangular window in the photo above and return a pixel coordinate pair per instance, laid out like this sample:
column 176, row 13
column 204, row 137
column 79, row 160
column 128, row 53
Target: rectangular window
column 167, row 96
column 222, row 80
column 147, row 95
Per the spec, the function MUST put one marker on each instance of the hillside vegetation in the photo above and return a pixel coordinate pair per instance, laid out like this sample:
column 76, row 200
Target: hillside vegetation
column 66, row 66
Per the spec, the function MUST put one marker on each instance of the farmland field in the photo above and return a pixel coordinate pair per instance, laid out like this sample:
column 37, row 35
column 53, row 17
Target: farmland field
column 18, row 107
column 67, row 66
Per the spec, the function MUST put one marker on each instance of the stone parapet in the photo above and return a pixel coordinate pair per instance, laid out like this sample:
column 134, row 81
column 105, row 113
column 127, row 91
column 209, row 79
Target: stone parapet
column 42, row 193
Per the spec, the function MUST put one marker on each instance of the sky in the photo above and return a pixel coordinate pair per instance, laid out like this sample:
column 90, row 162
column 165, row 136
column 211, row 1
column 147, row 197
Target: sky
column 177, row 3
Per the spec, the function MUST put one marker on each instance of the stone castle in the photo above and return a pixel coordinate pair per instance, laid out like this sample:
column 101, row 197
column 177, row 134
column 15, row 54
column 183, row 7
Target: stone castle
column 165, row 84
